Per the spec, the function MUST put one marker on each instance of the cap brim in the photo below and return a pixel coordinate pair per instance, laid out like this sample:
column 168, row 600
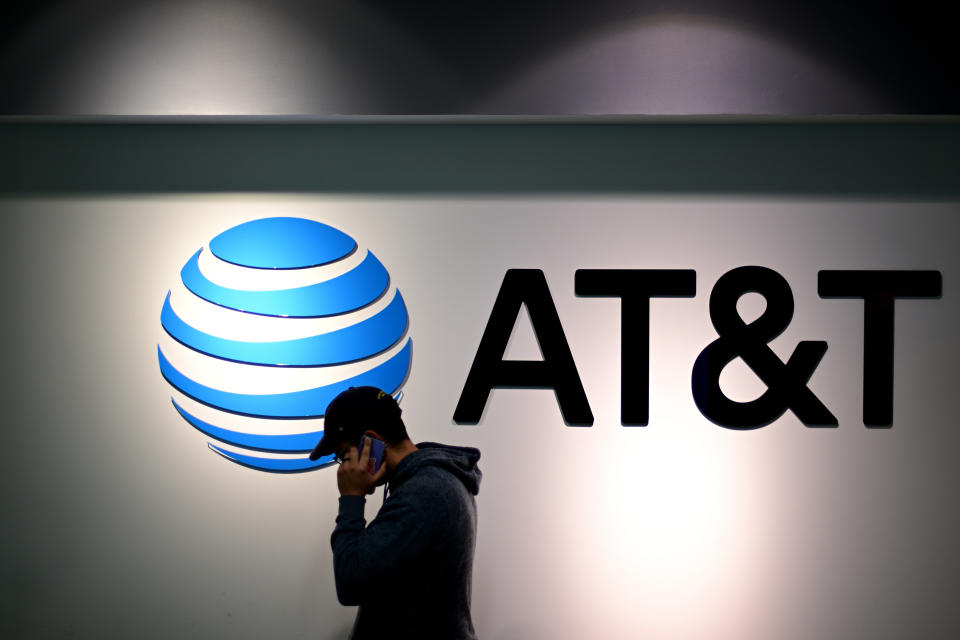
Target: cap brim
column 322, row 449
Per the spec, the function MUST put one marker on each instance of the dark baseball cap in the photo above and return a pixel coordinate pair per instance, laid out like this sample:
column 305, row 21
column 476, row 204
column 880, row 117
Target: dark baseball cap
column 353, row 412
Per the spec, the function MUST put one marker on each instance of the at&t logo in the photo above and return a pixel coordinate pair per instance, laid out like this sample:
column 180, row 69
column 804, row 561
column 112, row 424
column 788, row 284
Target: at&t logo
column 268, row 323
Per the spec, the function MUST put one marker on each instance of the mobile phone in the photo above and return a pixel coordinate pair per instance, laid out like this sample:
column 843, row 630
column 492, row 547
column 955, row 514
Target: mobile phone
column 378, row 450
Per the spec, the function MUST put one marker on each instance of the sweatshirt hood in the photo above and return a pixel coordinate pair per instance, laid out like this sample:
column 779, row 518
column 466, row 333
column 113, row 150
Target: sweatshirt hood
column 460, row 461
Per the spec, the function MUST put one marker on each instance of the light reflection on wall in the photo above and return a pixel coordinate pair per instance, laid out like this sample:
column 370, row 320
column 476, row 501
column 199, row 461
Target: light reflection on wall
column 623, row 531
column 216, row 57
column 675, row 64
column 291, row 57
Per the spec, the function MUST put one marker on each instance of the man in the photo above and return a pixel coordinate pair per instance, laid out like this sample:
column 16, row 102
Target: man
column 410, row 569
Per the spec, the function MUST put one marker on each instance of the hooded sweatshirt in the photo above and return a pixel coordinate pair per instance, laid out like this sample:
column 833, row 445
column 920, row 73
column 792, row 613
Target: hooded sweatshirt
column 410, row 570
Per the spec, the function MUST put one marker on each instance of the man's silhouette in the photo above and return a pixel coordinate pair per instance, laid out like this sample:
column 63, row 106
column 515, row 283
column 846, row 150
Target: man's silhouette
column 410, row 569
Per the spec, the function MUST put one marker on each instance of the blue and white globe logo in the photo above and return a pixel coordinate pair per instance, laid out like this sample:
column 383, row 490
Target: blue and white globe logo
column 267, row 324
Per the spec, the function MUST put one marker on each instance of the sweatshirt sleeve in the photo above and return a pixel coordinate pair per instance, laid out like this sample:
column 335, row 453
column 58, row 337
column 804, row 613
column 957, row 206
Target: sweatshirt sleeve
column 364, row 556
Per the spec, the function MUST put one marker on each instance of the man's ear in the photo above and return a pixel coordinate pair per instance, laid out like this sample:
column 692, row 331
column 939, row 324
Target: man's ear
column 373, row 434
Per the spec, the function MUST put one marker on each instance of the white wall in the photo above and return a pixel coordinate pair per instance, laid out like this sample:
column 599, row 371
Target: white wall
column 121, row 523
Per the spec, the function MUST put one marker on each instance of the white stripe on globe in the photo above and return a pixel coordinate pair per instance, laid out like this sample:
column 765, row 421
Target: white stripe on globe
column 237, row 377
column 246, row 424
column 253, row 279
column 250, row 327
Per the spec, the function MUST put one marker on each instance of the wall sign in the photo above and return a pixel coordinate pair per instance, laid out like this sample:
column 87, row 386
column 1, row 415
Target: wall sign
column 785, row 381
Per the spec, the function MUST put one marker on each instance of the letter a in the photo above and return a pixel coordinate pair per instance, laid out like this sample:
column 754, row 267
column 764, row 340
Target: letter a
column 556, row 371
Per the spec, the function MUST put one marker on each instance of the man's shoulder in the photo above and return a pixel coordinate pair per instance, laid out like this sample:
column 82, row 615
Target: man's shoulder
column 432, row 487
column 434, row 479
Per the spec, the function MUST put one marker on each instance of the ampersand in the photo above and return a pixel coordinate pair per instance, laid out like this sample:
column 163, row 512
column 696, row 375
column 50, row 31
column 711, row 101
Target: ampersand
column 786, row 381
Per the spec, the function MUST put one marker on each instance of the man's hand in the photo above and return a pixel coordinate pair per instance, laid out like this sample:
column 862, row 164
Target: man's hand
column 354, row 477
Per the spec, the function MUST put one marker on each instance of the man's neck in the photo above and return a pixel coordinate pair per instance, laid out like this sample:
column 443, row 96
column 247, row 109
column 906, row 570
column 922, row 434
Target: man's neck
column 397, row 452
